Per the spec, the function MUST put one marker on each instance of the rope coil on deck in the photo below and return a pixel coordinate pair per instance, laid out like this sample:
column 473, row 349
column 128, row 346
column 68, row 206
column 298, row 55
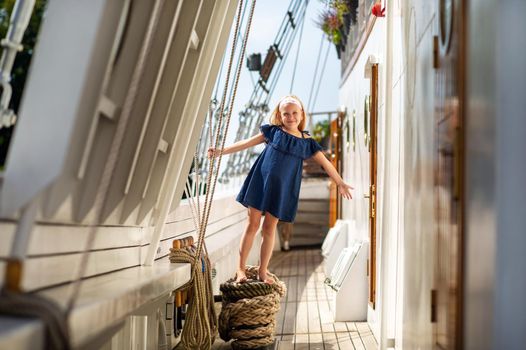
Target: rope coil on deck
column 249, row 310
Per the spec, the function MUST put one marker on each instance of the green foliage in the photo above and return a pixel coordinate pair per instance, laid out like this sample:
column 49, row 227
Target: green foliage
column 321, row 130
column 22, row 61
column 331, row 20
column 341, row 7
column 330, row 23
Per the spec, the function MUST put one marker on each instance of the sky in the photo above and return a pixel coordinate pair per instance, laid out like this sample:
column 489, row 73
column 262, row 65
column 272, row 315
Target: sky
column 268, row 16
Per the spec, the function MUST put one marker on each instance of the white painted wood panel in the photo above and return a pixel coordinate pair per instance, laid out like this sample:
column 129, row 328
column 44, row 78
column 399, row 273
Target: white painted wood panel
column 107, row 299
column 31, row 166
column 54, row 250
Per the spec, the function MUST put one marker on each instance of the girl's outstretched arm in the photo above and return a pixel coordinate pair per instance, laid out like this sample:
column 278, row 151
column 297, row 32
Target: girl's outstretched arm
column 343, row 188
column 238, row 146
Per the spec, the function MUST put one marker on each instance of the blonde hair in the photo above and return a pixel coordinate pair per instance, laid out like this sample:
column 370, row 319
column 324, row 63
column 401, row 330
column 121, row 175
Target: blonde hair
column 275, row 116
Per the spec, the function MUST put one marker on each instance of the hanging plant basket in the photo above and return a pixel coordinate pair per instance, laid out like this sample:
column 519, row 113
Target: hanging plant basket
column 336, row 21
column 338, row 51
column 353, row 11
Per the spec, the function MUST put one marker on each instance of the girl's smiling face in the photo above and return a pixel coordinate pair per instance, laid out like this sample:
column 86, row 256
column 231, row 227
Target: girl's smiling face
column 291, row 115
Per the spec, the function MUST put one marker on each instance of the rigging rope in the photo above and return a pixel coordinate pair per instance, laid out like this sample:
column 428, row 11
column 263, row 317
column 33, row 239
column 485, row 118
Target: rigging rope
column 297, row 53
column 253, row 114
column 201, row 321
column 320, row 79
column 315, row 71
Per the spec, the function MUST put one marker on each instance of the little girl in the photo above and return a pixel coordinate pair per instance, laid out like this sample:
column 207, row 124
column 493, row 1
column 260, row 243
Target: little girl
column 272, row 186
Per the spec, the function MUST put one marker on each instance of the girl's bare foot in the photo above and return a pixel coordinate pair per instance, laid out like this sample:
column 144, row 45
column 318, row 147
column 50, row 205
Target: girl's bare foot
column 264, row 277
column 241, row 276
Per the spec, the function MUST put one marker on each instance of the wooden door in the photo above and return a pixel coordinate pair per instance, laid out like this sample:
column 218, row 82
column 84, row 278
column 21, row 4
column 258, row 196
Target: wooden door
column 372, row 110
column 449, row 171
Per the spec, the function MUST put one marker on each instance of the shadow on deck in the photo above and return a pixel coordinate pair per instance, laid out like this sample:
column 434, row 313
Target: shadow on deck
column 305, row 318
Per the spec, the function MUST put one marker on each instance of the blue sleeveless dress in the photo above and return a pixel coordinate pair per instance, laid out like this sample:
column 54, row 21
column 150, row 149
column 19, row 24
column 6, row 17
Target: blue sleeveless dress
column 274, row 181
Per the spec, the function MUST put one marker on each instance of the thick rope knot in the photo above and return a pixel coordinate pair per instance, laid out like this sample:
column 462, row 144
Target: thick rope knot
column 249, row 310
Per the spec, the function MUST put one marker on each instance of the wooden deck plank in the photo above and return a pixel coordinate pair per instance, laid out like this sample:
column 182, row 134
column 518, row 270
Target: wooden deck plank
column 289, row 324
column 340, row 327
column 302, row 319
column 356, row 340
column 301, row 342
column 278, row 264
column 301, row 263
column 302, row 277
column 311, row 290
column 286, row 342
column 284, row 265
column 314, row 317
column 302, row 292
column 355, row 336
column 366, row 336
column 351, row 326
column 295, row 263
column 316, row 341
column 344, row 341
column 326, row 318
column 305, row 319
column 310, row 278
column 280, row 318
column 293, row 289
column 330, row 341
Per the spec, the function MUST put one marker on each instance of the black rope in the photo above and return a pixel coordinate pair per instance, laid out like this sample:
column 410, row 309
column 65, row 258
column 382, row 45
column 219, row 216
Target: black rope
column 315, row 71
column 298, row 50
column 321, row 77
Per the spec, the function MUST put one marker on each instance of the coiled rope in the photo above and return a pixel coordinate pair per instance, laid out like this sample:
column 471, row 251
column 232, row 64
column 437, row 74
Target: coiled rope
column 248, row 314
column 201, row 322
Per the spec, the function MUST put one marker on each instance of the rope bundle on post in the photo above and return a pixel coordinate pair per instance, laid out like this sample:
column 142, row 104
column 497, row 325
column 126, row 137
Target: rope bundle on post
column 249, row 310
column 201, row 319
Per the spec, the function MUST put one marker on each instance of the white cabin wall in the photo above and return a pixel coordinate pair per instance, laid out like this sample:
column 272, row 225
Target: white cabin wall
column 482, row 127
column 494, row 282
column 397, row 113
column 353, row 91
column 420, row 25
column 510, row 283
column 391, row 180
column 405, row 170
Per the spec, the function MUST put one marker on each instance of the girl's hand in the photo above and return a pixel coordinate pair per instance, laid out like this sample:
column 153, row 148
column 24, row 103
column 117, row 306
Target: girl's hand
column 345, row 190
column 213, row 152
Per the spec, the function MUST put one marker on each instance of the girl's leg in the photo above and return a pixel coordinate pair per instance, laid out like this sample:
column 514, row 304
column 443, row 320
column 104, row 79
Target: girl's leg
column 287, row 233
column 268, row 231
column 254, row 219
